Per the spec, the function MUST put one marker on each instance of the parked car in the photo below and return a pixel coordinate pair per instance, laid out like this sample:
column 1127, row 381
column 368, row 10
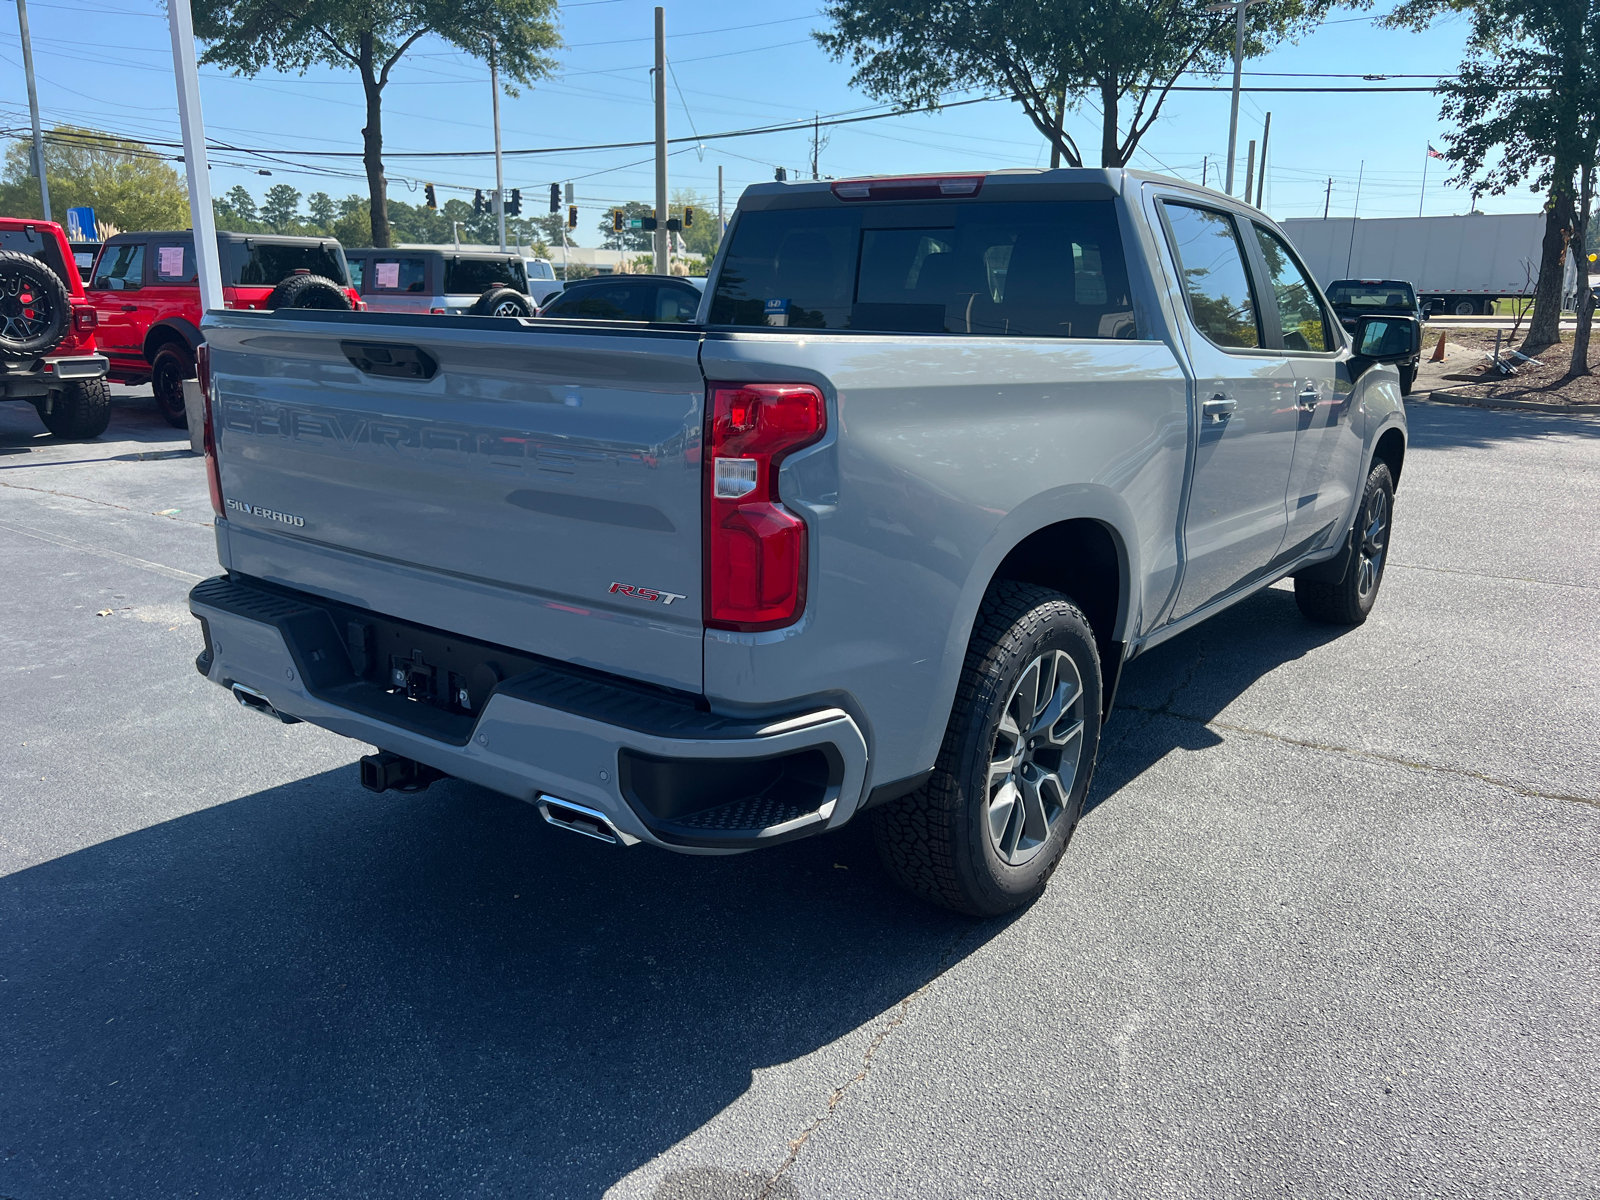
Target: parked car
column 47, row 332
column 542, row 281
column 1353, row 299
column 442, row 280
column 670, row 298
column 147, row 294
column 876, row 537
column 83, row 256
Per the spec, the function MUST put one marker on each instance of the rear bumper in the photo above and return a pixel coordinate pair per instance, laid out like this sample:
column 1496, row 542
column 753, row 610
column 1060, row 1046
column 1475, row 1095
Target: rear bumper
column 660, row 769
column 46, row 375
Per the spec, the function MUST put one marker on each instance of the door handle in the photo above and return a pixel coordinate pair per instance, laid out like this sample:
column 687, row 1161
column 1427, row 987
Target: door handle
column 130, row 308
column 1306, row 401
column 1218, row 408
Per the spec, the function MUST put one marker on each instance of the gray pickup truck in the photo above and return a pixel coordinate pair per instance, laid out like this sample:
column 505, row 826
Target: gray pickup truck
column 875, row 534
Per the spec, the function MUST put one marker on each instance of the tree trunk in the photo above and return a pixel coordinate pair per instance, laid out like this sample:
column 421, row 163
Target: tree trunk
column 1580, row 259
column 372, row 146
column 1110, row 143
column 1545, row 327
column 1061, row 120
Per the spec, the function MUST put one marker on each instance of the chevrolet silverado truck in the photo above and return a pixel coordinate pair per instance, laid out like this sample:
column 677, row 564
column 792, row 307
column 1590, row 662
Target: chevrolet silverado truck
column 873, row 536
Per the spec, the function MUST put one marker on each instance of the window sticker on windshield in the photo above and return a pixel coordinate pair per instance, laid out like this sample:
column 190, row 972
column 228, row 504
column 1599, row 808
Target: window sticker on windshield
column 388, row 274
column 170, row 261
column 778, row 312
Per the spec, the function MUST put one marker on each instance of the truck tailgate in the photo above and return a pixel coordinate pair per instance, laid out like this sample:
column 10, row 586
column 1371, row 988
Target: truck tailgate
column 500, row 498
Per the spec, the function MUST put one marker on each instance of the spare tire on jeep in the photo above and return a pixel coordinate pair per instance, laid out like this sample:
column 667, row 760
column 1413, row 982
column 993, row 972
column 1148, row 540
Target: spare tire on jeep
column 35, row 306
column 308, row 291
column 501, row 301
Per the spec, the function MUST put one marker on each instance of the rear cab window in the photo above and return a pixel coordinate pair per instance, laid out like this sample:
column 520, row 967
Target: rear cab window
column 398, row 275
column 474, row 276
column 994, row 268
column 257, row 263
column 120, row 268
column 1374, row 293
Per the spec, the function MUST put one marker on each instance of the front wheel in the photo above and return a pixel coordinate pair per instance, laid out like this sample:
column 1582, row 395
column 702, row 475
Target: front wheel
column 1349, row 601
column 172, row 365
column 986, row 832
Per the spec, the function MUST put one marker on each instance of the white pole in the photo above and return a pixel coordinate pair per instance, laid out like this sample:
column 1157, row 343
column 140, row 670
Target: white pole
column 663, row 244
column 33, row 108
column 499, row 169
column 1422, row 195
column 1238, row 68
column 193, row 124
column 722, row 225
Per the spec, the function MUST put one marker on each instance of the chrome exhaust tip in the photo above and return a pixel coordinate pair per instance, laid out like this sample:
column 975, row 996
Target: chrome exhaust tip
column 252, row 699
column 576, row 818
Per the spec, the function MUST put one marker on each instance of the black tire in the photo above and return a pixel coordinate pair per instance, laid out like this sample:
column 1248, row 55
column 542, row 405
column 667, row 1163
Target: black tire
column 1464, row 307
column 502, row 302
column 79, row 411
column 35, row 306
column 170, row 367
column 1408, row 376
column 309, row 291
column 1349, row 601
column 947, row 843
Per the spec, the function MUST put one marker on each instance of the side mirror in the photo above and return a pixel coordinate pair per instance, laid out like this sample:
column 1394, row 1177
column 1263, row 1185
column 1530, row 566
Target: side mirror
column 1386, row 339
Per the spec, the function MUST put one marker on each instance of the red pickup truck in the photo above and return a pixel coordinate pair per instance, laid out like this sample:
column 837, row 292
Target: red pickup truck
column 146, row 291
column 47, row 331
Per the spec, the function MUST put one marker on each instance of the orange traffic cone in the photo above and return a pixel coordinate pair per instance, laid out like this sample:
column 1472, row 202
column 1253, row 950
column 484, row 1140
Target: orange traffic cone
column 1438, row 351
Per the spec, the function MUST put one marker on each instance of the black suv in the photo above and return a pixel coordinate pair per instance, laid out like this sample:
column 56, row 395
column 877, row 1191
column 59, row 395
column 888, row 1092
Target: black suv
column 1353, row 299
column 668, row 298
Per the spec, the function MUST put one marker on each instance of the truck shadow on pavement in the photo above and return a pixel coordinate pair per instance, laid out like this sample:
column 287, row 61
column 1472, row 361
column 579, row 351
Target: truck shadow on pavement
column 313, row 991
column 1438, row 426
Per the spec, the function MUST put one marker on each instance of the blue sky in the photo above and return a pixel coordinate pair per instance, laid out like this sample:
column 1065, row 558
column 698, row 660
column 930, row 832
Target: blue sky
column 107, row 64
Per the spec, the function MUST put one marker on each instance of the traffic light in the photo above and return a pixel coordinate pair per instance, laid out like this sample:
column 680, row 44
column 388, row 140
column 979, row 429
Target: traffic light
column 616, row 220
column 477, row 203
column 688, row 217
column 514, row 205
column 555, row 197
column 431, row 199
column 572, row 216
column 674, row 224
column 648, row 223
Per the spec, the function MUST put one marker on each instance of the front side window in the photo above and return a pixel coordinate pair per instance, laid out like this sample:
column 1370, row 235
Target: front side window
column 1300, row 315
column 398, row 275
column 1214, row 276
column 1003, row 269
column 174, row 263
column 121, row 268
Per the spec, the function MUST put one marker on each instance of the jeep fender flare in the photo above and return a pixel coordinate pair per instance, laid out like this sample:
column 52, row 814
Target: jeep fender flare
column 172, row 329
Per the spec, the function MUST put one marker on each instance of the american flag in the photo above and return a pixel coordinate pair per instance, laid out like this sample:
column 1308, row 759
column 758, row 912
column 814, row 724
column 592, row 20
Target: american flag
column 1432, row 153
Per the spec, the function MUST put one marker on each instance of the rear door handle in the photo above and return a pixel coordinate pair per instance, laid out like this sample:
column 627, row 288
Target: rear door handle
column 130, row 308
column 1218, row 408
column 1306, row 401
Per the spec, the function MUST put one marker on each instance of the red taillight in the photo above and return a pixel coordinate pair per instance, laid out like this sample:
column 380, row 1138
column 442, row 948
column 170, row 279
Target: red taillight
column 84, row 318
column 202, row 373
column 755, row 549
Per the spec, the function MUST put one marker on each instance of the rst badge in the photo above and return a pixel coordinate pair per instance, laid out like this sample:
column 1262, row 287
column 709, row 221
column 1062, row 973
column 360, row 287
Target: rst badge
column 642, row 593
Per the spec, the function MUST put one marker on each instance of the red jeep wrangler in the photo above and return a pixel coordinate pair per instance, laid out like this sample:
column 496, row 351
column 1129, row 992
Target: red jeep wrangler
column 147, row 293
column 47, row 352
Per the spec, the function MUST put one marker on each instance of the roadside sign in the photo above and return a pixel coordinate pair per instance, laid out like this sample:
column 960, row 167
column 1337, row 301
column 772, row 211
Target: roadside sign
column 81, row 225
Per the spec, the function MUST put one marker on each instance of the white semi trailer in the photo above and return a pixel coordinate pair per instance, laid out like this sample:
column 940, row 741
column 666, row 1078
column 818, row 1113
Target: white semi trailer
column 1457, row 265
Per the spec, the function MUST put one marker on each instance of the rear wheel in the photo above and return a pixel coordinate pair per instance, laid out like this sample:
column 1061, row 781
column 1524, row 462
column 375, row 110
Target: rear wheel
column 986, row 832
column 172, row 365
column 1465, row 308
column 1349, row 601
column 79, row 411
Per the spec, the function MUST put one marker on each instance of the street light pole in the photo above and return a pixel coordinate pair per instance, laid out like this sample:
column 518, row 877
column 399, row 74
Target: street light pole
column 33, row 106
column 1237, row 7
column 499, row 169
column 201, row 217
column 663, row 240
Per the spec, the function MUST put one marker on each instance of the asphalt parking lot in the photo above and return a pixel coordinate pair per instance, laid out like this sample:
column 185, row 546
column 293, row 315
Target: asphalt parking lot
column 1330, row 928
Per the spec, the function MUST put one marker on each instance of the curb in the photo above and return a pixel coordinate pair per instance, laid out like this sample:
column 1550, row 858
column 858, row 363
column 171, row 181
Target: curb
column 1449, row 396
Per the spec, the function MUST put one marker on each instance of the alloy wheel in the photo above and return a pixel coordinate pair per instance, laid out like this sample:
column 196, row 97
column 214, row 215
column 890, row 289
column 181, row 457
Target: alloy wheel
column 1374, row 543
column 25, row 309
column 1035, row 758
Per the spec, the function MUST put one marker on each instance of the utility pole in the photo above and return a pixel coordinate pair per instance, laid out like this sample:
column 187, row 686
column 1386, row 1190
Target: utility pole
column 1250, row 171
column 1327, row 198
column 33, row 107
column 1261, row 180
column 499, row 168
column 190, row 120
column 722, row 225
column 663, row 241
column 816, row 151
column 1354, row 213
column 1237, row 7
column 1205, row 165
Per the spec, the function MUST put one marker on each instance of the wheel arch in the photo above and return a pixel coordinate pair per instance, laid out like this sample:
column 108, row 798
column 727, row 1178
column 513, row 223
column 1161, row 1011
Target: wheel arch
column 172, row 330
column 1391, row 449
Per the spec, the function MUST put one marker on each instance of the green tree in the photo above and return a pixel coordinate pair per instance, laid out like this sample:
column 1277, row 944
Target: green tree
column 626, row 239
column 700, row 240
column 321, row 206
column 371, row 37
column 548, row 228
column 241, row 203
column 1525, row 107
column 129, row 185
column 281, row 209
column 1051, row 57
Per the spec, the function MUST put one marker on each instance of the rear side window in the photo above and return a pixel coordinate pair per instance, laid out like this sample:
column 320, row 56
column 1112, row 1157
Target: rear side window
column 355, row 265
column 474, row 276
column 608, row 302
column 398, row 275
column 540, row 270
column 173, row 262
column 675, row 305
column 263, row 264
column 1214, row 276
column 1300, row 314
column 121, row 268
column 1002, row 269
